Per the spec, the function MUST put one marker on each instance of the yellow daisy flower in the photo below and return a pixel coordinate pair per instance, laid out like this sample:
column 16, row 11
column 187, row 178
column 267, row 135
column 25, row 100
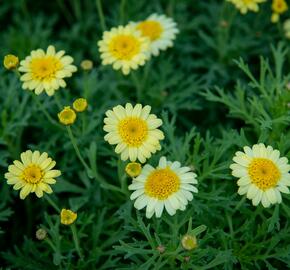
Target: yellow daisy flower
column 133, row 169
column 67, row 116
column 32, row 174
column 278, row 8
column 124, row 48
column 160, row 29
column 247, row 5
column 80, row 105
column 45, row 71
column 134, row 130
column 169, row 185
column 10, row 61
column 262, row 174
column 67, row 217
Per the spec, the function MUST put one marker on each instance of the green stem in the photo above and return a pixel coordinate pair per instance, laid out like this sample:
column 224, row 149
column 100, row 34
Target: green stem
column 57, row 101
column 122, row 13
column 52, row 203
column 101, row 14
column 76, row 148
column 138, row 86
column 239, row 204
column 76, row 240
column 45, row 112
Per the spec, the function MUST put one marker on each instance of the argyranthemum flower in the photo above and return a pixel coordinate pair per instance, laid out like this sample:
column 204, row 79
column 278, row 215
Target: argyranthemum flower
column 278, row 8
column 134, row 130
column 10, row 61
column 67, row 116
column 80, row 104
column 32, row 174
column 160, row 29
column 67, row 217
column 133, row 169
column 45, row 71
column 245, row 5
column 124, row 48
column 263, row 174
column 169, row 185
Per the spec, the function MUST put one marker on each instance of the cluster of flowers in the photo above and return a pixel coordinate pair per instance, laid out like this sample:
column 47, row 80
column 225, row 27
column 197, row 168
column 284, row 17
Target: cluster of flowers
column 262, row 173
column 278, row 7
column 130, row 46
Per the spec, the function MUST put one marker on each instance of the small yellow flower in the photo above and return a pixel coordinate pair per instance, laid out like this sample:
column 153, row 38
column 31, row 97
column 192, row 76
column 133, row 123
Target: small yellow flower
column 67, row 116
column 278, row 8
column 40, row 234
column 67, row 217
column 189, row 242
column 80, row 104
column 87, row 64
column 34, row 173
column 10, row 61
column 133, row 169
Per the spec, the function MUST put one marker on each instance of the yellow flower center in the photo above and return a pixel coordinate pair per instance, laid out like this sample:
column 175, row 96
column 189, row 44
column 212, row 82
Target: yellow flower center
column 150, row 29
column 162, row 183
column 124, row 47
column 264, row 173
column 32, row 174
column 45, row 68
column 133, row 131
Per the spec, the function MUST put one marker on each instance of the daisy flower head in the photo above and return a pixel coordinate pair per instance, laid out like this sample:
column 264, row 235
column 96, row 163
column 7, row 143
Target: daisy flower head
column 247, row 5
column 46, row 71
column 123, row 47
column 278, row 8
column 168, row 186
column 262, row 174
column 134, row 130
column 34, row 173
column 161, row 31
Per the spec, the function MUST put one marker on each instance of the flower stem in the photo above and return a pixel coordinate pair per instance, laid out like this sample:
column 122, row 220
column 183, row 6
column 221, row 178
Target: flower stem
column 138, row 86
column 76, row 148
column 122, row 13
column 52, row 203
column 76, row 240
column 101, row 14
column 239, row 204
column 45, row 112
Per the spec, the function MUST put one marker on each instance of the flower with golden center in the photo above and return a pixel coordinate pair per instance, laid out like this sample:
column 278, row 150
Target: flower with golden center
column 67, row 217
column 161, row 31
column 133, row 169
column 262, row 174
column 168, row 186
column 124, row 48
column 245, row 5
column 87, row 64
column 278, row 7
column 189, row 242
column 34, row 173
column 67, row 116
column 46, row 71
column 80, row 105
column 10, row 61
column 134, row 130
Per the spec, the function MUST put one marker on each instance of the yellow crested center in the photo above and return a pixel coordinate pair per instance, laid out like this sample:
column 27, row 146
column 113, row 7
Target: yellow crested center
column 45, row 68
column 124, row 47
column 162, row 183
column 150, row 29
column 133, row 131
column 32, row 174
column 264, row 173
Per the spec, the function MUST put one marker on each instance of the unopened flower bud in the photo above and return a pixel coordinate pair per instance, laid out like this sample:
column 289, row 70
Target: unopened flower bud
column 161, row 249
column 189, row 242
column 40, row 234
column 86, row 64
column 10, row 61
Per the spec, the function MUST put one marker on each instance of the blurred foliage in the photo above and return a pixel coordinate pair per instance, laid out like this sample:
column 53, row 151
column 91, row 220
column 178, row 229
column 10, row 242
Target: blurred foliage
column 222, row 86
